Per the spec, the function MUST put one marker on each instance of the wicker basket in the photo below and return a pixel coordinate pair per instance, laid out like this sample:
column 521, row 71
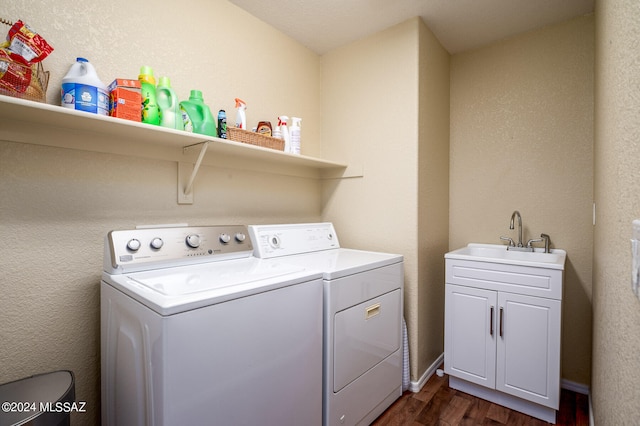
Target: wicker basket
column 37, row 89
column 254, row 138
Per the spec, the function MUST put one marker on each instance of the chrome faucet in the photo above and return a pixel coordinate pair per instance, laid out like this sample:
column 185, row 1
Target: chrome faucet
column 513, row 215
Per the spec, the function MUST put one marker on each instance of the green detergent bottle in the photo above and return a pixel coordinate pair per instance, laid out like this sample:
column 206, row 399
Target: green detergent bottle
column 150, row 111
column 196, row 115
column 170, row 115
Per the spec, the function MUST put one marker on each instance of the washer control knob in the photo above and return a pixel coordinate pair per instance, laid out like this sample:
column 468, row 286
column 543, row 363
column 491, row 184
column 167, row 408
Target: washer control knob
column 133, row 244
column 193, row 240
column 274, row 241
column 240, row 237
column 156, row 243
column 225, row 238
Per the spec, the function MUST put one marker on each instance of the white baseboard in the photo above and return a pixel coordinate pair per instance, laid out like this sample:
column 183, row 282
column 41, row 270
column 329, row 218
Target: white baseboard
column 416, row 386
column 574, row 386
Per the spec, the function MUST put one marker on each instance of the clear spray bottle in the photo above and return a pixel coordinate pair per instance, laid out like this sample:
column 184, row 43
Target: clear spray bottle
column 241, row 115
column 282, row 125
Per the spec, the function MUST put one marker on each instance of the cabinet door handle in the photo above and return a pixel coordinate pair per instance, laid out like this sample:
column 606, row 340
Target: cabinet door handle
column 491, row 323
column 501, row 319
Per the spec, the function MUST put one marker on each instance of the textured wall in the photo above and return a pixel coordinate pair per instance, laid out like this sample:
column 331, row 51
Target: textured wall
column 362, row 95
column 616, row 314
column 433, row 198
column 385, row 107
column 522, row 139
column 57, row 204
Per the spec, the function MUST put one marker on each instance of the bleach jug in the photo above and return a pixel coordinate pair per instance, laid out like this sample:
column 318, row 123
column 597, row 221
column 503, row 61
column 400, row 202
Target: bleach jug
column 197, row 116
column 170, row 115
column 150, row 111
column 83, row 90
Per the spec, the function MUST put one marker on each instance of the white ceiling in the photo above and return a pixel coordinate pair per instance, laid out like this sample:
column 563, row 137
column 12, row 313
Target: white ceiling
column 323, row 25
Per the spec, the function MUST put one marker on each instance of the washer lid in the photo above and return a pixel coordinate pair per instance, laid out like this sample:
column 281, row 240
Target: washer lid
column 172, row 290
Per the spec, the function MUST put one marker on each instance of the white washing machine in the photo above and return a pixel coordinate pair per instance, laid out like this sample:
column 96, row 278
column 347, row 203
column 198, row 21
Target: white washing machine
column 363, row 299
column 197, row 331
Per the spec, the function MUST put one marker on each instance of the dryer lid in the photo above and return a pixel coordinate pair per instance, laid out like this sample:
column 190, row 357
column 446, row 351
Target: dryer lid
column 343, row 262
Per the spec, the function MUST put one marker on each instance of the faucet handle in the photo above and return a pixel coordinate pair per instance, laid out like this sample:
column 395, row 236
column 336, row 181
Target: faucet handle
column 511, row 242
column 534, row 240
column 546, row 239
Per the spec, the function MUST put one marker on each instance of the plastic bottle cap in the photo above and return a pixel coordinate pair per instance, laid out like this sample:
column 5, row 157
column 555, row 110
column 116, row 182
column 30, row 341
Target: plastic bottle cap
column 146, row 70
column 164, row 82
column 196, row 94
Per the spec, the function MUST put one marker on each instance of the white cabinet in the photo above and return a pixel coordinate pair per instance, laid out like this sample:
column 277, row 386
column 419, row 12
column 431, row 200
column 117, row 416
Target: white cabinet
column 528, row 349
column 469, row 334
column 502, row 334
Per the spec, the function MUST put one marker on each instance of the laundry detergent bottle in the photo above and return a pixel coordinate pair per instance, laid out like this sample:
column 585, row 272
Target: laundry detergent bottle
column 170, row 115
column 196, row 115
column 82, row 90
column 150, row 110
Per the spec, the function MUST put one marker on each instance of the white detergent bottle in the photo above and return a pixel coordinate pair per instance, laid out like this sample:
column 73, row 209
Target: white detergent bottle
column 82, row 90
column 294, row 135
column 282, row 124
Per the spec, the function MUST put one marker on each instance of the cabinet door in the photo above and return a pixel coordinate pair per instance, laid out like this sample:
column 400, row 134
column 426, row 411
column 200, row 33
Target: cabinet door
column 528, row 348
column 470, row 333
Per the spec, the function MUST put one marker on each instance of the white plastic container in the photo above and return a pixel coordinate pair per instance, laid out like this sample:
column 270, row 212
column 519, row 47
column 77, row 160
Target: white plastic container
column 82, row 90
column 241, row 114
column 282, row 125
column 294, row 135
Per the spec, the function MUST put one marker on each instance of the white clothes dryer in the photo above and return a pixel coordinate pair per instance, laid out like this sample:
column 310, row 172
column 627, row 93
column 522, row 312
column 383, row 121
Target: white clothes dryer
column 363, row 301
column 197, row 331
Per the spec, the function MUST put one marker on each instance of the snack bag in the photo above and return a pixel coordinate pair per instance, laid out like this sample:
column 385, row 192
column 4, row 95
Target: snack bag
column 23, row 41
column 23, row 48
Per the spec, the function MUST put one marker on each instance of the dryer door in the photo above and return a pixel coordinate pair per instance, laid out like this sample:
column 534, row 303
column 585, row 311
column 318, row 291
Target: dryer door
column 364, row 335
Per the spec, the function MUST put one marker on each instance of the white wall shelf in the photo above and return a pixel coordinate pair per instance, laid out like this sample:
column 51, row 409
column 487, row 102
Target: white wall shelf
column 51, row 125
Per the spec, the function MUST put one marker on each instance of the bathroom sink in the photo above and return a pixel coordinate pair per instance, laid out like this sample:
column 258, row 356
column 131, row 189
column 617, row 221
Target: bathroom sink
column 497, row 253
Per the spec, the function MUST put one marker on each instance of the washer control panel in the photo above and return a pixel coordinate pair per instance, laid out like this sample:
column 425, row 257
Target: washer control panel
column 150, row 248
column 285, row 240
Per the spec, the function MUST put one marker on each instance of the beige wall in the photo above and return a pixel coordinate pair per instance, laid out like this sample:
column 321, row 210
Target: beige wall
column 433, row 202
column 385, row 108
column 366, row 87
column 616, row 312
column 522, row 139
column 57, row 204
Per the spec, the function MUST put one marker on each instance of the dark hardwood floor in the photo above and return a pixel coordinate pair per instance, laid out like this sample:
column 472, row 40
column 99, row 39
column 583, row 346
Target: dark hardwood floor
column 438, row 404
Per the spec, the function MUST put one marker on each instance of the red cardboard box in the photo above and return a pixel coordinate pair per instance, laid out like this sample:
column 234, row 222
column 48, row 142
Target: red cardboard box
column 125, row 100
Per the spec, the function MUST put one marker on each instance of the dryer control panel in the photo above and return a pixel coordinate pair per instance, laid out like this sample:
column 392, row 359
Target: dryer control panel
column 285, row 240
column 150, row 248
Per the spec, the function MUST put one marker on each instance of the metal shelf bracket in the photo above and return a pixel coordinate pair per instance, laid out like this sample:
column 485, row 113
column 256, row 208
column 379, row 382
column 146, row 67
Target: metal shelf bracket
column 187, row 175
